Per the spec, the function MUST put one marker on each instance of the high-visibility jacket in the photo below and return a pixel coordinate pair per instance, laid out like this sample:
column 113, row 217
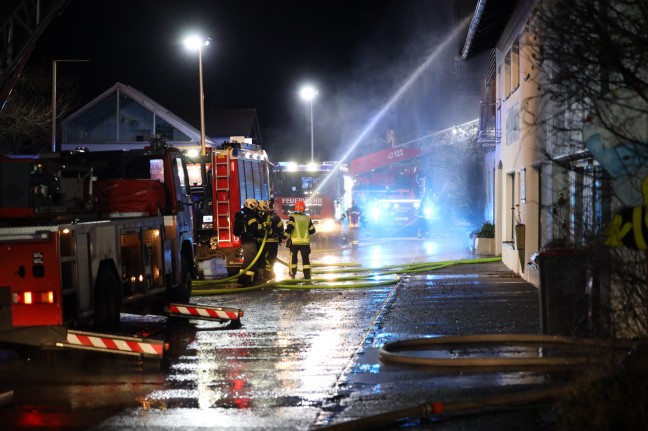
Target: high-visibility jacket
column 300, row 227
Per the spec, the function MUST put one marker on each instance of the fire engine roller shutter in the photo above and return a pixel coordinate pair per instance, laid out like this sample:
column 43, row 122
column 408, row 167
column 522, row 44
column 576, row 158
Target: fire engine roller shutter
column 83, row 272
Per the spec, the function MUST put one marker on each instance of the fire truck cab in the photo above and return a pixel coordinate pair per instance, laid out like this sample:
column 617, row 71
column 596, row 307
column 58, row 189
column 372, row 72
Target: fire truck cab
column 85, row 236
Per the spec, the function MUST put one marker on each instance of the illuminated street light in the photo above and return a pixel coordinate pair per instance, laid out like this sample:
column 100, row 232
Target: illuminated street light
column 196, row 43
column 308, row 93
column 54, row 101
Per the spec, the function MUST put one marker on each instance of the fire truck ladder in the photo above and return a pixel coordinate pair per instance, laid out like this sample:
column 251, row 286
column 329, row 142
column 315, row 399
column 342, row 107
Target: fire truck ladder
column 119, row 344
column 223, row 228
column 192, row 311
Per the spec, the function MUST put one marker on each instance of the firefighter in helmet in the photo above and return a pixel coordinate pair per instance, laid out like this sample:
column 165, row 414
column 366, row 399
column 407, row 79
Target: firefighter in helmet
column 263, row 212
column 246, row 226
column 275, row 235
column 353, row 215
column 299, row 229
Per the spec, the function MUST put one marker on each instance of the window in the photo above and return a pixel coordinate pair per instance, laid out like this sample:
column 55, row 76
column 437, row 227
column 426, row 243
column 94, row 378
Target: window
column 511, row 69
column 500, row 87
column 507, row 74
column 515, row 65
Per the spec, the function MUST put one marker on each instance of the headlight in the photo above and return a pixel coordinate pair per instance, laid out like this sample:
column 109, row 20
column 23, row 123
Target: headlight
column 327, row 225
column 428, row 212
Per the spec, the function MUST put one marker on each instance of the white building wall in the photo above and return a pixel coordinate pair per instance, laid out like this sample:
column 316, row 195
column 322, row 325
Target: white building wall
column 522, row 144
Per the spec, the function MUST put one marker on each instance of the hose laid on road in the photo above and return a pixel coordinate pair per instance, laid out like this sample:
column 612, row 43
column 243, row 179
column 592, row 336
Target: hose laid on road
column 440, row 408
column 6, row 397
column 531, row 398
column 389, row 352
column 226, row 280
column 366, row 277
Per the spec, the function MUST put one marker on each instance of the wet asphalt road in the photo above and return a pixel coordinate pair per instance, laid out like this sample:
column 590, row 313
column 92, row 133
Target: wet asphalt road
column 302, row 360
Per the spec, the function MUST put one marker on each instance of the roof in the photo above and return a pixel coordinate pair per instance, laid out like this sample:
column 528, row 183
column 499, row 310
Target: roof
column 97, row 110
column 236, row 122
column 486, row 26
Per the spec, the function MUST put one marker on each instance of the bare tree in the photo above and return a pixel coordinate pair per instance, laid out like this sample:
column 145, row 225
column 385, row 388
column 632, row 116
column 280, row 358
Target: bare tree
column 592, row 59
column 26, row 119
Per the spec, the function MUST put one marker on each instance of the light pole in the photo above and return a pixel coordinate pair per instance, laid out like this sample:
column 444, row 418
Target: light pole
column 54, row 62
column 308, row 93
column 197, row 43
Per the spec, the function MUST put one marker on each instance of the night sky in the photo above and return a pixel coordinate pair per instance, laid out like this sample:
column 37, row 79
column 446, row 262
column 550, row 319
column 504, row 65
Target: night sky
column 357, row 53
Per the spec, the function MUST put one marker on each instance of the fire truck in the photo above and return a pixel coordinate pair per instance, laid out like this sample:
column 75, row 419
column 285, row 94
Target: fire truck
column 387, row 190
column 233, row 172
column 85, row 236
column 325, row 188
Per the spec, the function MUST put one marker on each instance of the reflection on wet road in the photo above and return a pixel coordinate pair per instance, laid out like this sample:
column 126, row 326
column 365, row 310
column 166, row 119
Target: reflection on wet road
column 300, row 358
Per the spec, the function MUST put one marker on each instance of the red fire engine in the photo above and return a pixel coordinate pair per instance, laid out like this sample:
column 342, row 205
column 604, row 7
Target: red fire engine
column 85, row 236
column 234, row 172
column 322, row 188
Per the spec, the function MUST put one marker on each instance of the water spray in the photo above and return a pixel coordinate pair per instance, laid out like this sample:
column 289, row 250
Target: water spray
column 397, row 95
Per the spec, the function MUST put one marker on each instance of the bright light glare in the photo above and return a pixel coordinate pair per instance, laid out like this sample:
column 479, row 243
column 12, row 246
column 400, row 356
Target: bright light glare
column 308, row 93
column 291, row 166
column 312, row 167
column 327, row 225
column 374, row 212
column 195, row 42
column 192, row 153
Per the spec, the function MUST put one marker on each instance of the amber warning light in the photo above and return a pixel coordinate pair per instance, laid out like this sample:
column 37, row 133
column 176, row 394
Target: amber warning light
column 29, row 298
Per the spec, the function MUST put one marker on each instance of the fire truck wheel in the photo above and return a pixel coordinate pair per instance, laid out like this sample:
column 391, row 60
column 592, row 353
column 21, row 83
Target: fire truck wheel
column 106, row 304
column 184, row 289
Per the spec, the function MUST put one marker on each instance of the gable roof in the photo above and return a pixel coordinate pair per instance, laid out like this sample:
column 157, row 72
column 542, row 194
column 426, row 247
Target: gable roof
column 101, row 108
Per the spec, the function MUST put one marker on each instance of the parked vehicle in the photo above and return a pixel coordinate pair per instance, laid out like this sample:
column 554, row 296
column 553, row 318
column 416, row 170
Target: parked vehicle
column 85, row 236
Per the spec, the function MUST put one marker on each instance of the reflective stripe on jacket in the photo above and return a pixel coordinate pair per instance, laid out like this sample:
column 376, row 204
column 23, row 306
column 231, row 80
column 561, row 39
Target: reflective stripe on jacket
column 276, row 229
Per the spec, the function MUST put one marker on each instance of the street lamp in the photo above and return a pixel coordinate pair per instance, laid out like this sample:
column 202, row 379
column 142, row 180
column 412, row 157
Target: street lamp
column 308, row 93
column 54, row 62
column 197, row 43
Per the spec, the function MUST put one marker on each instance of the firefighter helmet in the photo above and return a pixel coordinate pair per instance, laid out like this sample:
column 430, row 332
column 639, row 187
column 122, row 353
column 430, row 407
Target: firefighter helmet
column 263, row 206
column 300, row 206
column 251, row 204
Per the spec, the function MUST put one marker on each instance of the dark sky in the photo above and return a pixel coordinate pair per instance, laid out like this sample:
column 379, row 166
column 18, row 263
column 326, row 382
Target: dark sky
column 358, row 53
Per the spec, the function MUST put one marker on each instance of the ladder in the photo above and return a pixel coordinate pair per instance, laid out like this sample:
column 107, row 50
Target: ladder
column 222, row 198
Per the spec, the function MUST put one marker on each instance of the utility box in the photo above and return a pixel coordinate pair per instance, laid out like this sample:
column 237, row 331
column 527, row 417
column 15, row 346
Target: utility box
column 563, row 291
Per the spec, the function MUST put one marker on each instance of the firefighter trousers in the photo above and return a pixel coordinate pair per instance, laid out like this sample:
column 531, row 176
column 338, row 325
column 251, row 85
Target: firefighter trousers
column 304, row 250
column 249, row 248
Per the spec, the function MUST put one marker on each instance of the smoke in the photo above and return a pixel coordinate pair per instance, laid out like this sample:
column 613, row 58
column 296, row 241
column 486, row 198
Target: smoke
column 401, row 77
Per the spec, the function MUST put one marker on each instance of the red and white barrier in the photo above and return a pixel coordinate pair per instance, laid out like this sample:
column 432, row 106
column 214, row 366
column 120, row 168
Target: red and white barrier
column 114, row 344
column 203, row 312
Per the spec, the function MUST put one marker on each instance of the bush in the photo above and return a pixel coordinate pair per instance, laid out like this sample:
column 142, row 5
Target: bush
column 487, row 231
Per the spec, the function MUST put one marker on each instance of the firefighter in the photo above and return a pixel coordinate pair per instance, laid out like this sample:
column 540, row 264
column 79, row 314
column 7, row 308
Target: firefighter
column 263, row 213
column 353, row 215
column 299, row 229
column 275, row 235
column 246, row 226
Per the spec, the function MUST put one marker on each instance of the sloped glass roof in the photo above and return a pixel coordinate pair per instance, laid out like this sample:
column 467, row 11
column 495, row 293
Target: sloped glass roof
column 123, row 118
